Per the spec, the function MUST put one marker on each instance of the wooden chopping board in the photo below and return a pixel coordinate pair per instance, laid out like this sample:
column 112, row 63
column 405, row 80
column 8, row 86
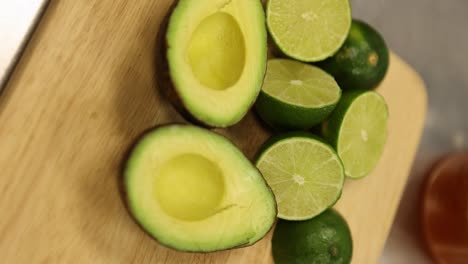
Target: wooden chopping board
column 83, row 92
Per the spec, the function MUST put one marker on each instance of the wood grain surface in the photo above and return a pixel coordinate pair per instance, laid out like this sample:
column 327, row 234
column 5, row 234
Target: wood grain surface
column 83, row 92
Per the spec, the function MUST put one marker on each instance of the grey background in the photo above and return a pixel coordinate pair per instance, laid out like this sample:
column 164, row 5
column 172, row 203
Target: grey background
column 432, row 36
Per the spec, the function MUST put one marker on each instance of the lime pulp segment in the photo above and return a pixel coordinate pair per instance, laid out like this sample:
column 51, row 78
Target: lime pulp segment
column 300, row 84
column 309, row 30
column 363, row 134
column 305, row 175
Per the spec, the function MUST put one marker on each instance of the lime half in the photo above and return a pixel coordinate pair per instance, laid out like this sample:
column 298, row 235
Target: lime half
column 309, row 30
column 358, row 131
column 305, row 174
column 296, row 95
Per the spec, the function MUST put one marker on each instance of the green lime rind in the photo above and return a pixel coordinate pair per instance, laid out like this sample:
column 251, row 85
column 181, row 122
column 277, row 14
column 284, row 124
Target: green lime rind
column 323, row 28
column 282, row 116
column 296, row 96
column 326, row 201
column 325, row 239
column 363, row 60
column 333, row 129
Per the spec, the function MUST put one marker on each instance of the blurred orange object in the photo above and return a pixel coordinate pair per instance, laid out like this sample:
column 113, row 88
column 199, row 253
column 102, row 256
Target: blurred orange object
column 445, row 210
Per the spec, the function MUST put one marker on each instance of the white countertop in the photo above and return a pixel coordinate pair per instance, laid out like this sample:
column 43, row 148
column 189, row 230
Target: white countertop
column 17, row 19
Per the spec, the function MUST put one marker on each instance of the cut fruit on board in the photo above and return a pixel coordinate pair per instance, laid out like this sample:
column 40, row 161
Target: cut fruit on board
column 193, row 190
column 295, row 95
column 358, row 131
column 307, row 30
column 73, row 145
column 304, row 172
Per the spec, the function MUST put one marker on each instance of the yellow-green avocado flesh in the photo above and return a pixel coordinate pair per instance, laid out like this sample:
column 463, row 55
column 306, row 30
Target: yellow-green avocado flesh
column 193, row 190
column 216, row 55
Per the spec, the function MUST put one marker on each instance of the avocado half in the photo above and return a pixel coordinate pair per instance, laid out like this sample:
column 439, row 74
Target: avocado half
column 212, row 58
column 193, row 190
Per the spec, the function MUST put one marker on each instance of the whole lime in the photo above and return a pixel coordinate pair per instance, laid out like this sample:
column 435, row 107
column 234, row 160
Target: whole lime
column 321, row 240
column 362, row 61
